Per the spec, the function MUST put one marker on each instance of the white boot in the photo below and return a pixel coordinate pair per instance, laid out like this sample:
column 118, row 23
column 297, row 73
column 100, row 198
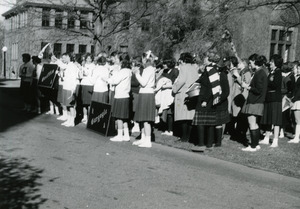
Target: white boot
column 126, row 137
column 281, row 133
column 296, row 139
column 136, row 128
column 266, row 140
column 64, row 116
column 119, row 137
column 66, row 121
column 146, row 143
column 71, row 122
column 84, row 119
column 275, row 142
column 51, row 111
column 138, row 142
column 56, row 110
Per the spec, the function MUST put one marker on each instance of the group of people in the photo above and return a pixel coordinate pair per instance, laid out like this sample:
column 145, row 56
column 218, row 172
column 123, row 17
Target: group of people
column 236, row 95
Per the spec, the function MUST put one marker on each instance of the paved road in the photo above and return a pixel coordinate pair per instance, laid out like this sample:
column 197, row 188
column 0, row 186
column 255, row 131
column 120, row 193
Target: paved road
column 46, row 165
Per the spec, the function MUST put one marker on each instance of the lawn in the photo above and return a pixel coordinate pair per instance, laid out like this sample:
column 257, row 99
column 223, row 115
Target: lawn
column 284, row 159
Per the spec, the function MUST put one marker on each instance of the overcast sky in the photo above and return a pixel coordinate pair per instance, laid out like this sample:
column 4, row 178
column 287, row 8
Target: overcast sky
column 5, row 5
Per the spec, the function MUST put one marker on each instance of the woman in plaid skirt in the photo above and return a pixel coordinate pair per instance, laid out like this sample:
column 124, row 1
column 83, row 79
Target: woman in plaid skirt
column 212, row 105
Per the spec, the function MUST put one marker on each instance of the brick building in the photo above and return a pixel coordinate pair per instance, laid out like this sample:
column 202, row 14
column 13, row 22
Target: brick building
column 30, row 25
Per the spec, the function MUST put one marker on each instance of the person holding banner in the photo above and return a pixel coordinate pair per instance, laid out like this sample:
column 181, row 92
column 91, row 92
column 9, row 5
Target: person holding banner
column 71, row 73
column 120, row 107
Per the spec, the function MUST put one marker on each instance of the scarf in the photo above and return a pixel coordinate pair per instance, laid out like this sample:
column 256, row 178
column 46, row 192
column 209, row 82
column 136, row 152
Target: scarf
column 214, row 78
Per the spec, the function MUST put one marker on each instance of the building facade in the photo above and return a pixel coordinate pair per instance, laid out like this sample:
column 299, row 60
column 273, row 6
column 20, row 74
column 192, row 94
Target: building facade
column 30, row 25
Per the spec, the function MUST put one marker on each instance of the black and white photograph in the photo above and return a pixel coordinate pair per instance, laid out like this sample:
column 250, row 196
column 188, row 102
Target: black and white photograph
column 149, row 104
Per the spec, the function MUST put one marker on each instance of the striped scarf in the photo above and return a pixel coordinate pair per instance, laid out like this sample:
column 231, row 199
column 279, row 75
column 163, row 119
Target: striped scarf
column 214, row 78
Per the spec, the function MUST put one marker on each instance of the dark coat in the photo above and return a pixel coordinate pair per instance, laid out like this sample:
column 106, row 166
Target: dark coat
column 274, row 86
column 207, row 96
column 258, row 87
column 296, row 91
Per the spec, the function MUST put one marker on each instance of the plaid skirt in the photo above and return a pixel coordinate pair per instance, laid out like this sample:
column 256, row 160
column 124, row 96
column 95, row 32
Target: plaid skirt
column 120, row 108
column 101, row 97
column 145, row 110
column 272, row 114
column 223, row 117
column 68, row 98
column 208, row 118
column 86, row 94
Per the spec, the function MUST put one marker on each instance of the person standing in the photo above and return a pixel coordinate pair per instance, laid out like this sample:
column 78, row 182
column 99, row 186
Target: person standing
column 36, row 93
column 254, row 107
column 272, row 116
column 86, row 86
column 145, row 112
column 25, row 73
column 120, row 108
column 99, row 81
column 296, row 106
column 212, row 104
column 188, row 74
column 70, row 78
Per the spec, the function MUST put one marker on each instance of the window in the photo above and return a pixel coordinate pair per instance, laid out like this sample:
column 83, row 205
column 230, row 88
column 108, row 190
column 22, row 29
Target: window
column 71, row 20
column 84, row 20
column 57, row 49
column 58, row 18
column 146, row 25
column 126, row 20
column 14, row 51
column 281, row 42
column 82, row 49
column 70, row 48
column 45, row 17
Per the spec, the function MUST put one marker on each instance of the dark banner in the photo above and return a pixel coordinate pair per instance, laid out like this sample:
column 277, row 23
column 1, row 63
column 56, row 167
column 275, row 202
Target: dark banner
column 48, row 75
column 99, row 117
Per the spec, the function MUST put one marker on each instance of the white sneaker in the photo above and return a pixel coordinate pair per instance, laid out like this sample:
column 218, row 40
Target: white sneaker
column 257, row 147
column 249, row 149
column 71, row 124
column 126, row 138
column 138, row 142
column 49, row 112
column 294, row 141
column 65, row 123
column 157, row 120
column 146, row 145
column 62, row 118
column 167, row 133
column 84, row 120
column 135, row 129
column 116, row 139
column 281, row 134
column 265, row 141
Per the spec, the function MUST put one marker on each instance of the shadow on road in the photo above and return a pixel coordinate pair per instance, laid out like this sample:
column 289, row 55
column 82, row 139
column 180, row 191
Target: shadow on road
column 18, row 184
column 11, row 105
